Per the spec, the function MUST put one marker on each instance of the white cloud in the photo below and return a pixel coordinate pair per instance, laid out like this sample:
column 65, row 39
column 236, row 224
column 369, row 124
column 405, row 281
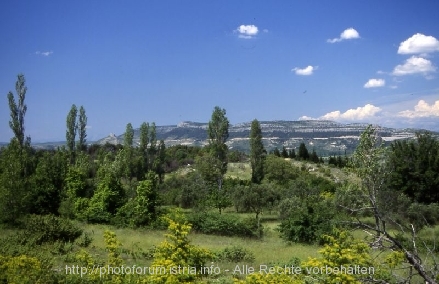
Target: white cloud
column 247, row 31
column 374, row 83
column 44, row 53
column 305, row 71
column 414, row 65
column 350, row 33
column 307, row 118
column 419, row 43
column 360, row 113
column 420, row 113
column 422, row 109
column 368, row 112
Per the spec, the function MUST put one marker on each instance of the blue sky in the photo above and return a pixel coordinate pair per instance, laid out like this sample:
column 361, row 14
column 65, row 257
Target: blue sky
column 171, row 61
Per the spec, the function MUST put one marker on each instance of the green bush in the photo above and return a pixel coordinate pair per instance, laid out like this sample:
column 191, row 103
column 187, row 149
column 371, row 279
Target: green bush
column 225, row 225
column 421, row 215
column 235, row 254
column 309, row 222
column 85, row 240
column 294, row 261
column 41, row 229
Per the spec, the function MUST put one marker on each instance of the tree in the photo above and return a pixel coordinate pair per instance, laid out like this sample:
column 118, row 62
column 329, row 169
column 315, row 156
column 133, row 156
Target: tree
column 292, row 154
column 369, row 163
column 160, row 161
column 141, row 210
column 314, row 158
column 14, row 182
column 143, row 150
column 82, row 132
column 284, row 153
column 152, row 152
column 72, row 205
column 256, row 152
column 47, row 184
column 128, row 136
column 414, row 166
column 146, row 200
column 278, row 170
column 303, row 152
column 218, row 132
column 108, row 196
column 71, row 132
column 213, row 165
column 253, row 198
column 16, row 165
column 18, row 111
column 128, row 151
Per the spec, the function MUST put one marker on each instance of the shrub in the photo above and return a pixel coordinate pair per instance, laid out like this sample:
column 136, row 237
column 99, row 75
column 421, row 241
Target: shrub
column 225, row 225
column 342, row 249
column 235, row 254
column 21, row 269
column 177, row 251
column 85, row 240
column 309, row 222
column 294, row 261
column 282, row 276
column 41, row 229
column 423, row 215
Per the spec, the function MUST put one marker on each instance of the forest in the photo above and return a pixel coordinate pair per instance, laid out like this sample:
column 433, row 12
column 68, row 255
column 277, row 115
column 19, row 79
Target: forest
column 147, row 213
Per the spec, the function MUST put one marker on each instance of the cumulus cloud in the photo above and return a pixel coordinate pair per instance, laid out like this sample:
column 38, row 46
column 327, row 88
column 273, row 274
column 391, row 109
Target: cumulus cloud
column 419, row 43
column 422, row 109
column 44, row 53
column 375, row 83
column 350, row 33
column 305, row 71
column 366, row 112
column 307, row 118
column 247, row 31
column 360, row 113
column 414, row 65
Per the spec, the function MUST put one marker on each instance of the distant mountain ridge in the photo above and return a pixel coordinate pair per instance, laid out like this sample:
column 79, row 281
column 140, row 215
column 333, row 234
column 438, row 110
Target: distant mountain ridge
column 326, row 137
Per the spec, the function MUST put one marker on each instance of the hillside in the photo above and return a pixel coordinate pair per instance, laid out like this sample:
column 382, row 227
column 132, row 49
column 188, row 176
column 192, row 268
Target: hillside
column 326, row 137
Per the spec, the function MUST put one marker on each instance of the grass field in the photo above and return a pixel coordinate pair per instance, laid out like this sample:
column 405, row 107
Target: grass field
column 270, row 249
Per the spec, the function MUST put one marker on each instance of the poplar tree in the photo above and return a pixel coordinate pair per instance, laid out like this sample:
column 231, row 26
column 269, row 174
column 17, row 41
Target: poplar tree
column 218, row 132
column 18, row 111
column 152, row 152
column 15, row 161
column 143, row 151
column 127, row 155
column 160, row 160
column 256, row 152
column 213, row 165
column 128, row 148
column 82, row 132
column 71, row 132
